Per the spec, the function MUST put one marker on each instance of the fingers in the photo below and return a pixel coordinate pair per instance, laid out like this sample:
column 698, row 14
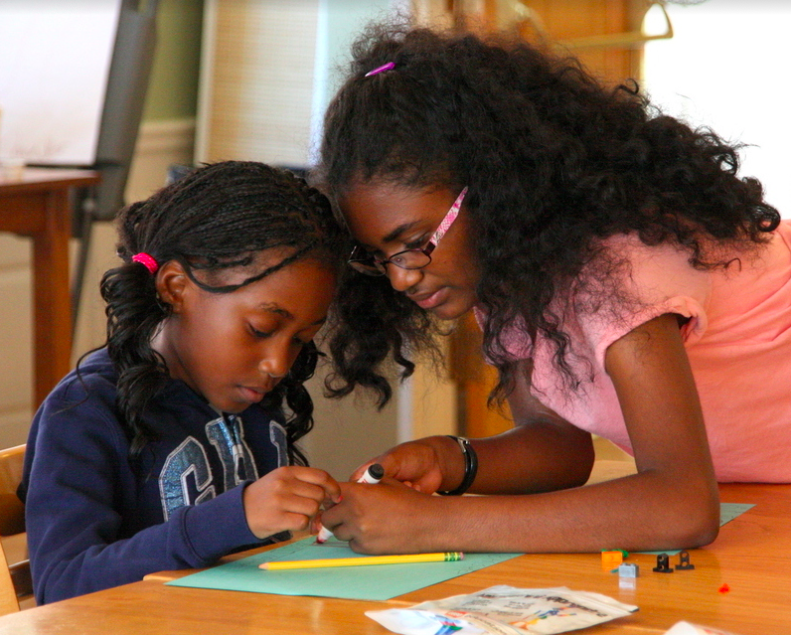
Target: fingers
column 287, row 499
column 414, row 463
column 291, row 493
column 331, row 488
column 315, row 524
column 353, row 496
column 375, row 518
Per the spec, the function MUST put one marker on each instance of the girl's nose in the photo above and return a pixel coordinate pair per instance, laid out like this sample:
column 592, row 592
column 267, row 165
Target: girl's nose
column 403, row 279
column 275, row 362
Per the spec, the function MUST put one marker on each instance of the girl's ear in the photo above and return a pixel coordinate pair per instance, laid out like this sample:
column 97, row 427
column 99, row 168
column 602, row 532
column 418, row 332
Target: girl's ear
column 172, row 283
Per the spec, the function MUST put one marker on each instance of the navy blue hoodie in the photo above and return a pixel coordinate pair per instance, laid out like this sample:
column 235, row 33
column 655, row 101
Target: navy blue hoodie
column 97, row 518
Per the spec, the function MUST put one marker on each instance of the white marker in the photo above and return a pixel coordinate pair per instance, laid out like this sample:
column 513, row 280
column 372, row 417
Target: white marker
column 372, row 475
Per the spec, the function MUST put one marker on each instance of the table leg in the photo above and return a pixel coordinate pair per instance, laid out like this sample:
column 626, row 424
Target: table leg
column 51, row 297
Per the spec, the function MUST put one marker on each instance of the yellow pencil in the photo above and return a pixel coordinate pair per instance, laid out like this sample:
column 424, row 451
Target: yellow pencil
column 449, row 556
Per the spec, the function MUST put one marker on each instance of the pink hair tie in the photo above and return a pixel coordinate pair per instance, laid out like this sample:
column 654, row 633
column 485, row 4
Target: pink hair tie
column 381, row 69
column 147, row 261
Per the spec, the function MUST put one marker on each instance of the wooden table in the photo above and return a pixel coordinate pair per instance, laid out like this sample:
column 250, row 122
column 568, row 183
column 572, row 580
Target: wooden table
column 37, row 206
column 752, row 555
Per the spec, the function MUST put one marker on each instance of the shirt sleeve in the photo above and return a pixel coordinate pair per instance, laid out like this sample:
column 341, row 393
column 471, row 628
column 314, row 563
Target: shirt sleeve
column 78, row 486
column 650, row 281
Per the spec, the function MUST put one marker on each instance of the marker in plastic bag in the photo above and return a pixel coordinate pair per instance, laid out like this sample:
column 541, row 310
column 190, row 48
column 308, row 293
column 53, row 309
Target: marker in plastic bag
column 372, row 475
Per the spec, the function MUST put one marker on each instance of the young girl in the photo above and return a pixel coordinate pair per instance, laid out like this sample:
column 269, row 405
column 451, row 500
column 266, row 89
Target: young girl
column 169, row 447
column 627, row 282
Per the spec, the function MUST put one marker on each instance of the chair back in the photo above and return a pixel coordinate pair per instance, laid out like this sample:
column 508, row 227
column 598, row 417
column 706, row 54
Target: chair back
column 15, row 581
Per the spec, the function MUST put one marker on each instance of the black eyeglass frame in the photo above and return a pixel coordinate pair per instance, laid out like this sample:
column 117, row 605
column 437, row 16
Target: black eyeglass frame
column 364, row 262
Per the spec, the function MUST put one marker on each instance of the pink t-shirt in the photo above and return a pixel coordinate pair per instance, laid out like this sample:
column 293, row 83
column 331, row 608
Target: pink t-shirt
column 738, row 340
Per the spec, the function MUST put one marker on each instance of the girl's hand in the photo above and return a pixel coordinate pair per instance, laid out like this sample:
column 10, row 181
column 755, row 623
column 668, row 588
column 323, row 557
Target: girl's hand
column 426, row 465
column 287, row 498
column 383, row 518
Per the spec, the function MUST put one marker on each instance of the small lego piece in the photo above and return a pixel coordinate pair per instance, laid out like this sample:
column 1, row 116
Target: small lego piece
column 683, row 562
column 611, row 560
column 628, row 570
column 663, row 564
column 724, row 588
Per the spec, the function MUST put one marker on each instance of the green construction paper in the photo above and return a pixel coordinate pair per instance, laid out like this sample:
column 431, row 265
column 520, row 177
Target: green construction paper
column 370, row 582
column 729, row 511
column 377, row 582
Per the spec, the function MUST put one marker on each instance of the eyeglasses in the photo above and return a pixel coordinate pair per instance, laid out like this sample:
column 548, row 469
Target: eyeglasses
column 370, row 265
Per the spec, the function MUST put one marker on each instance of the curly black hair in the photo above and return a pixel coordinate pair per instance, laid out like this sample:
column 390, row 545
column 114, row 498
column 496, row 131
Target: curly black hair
column 555, row 162
column 217, row 217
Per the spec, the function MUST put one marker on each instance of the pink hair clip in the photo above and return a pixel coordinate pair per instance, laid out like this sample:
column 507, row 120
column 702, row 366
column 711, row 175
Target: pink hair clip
column 381, row 69
column 147, row 261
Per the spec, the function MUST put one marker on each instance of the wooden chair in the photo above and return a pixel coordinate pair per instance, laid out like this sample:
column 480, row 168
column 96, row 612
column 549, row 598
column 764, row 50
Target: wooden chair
column 15, row 580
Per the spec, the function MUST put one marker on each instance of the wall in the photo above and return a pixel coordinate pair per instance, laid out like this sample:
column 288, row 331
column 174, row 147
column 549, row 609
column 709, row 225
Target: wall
column 166, row 136
column 339, row 23
column 15, row 340
column 721, row 70
column 173, row 91
column 257, row 79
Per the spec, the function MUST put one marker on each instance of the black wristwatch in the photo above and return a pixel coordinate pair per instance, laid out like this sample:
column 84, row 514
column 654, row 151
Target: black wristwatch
column 470, row 466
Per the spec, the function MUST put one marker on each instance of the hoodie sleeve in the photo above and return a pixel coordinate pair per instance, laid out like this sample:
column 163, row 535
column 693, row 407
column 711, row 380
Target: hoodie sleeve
column 77, row 487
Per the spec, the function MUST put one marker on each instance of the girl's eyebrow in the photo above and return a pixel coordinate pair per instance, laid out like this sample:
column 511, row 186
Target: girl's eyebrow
column 396, row 233
column 274, row 307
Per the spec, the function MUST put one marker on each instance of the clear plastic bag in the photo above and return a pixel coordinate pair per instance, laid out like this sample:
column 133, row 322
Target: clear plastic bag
column 504, row 610
column 685, row 628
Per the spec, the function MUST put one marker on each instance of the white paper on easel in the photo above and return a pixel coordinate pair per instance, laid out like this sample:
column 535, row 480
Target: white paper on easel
column 54, row 63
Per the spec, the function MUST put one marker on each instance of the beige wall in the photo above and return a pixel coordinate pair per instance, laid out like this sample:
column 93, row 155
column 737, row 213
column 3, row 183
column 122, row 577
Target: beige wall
column 15, row 340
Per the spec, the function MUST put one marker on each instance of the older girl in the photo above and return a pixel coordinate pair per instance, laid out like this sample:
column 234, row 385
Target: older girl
column 627, row 281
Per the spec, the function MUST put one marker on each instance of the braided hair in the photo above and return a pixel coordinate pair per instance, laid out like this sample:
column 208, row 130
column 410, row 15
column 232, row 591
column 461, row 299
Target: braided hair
column 217, row 217
column 555, row 163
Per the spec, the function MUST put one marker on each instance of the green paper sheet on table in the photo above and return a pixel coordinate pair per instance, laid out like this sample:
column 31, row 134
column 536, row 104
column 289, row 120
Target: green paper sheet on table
column 729, row 511
column 377, row 582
